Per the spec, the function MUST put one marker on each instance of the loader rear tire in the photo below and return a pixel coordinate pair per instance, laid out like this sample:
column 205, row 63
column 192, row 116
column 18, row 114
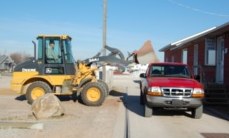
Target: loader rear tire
column 93, row 94
column 36, row 90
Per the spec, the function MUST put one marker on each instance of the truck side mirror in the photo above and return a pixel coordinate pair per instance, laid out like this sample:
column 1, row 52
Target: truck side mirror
column 142, row 75
column 197, row 77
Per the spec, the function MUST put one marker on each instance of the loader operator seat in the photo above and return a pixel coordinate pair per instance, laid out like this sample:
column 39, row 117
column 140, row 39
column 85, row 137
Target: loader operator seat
column 52, row 52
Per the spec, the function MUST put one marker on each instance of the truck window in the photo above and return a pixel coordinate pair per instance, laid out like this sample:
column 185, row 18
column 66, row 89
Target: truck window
column 178, row 71
column 157, row 70
column 169, row 71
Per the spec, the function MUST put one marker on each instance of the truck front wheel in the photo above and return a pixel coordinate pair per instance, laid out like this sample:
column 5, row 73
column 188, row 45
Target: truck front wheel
column 141, row 98
column 148, row 111
column 197, row 112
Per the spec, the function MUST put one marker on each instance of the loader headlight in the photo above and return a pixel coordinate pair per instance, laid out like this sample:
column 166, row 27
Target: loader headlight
column 198, row 93
column 154, row 91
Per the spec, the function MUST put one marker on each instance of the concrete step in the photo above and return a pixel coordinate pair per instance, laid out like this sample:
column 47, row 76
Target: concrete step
column 216, row 101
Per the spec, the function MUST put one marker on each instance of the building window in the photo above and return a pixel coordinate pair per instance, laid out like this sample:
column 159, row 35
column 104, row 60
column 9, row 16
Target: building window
column 173, row 59
column 166, row 59
column 210, row 52
column 185, row 56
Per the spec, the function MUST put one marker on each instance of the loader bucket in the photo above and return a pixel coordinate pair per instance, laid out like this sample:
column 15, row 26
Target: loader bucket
column 146, row 54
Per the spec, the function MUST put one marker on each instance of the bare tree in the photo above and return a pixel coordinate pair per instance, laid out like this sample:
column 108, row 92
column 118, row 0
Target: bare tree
column 19, row 57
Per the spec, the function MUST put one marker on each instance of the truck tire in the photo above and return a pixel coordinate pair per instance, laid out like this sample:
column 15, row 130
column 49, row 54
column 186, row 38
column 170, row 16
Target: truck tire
column 148, row 111
column 197, row 112
column 36, row 90
column 93, row 94
column 141, row 98
column 105, row 86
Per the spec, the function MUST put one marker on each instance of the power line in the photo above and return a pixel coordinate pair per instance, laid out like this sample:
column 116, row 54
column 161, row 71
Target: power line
column 198, row 10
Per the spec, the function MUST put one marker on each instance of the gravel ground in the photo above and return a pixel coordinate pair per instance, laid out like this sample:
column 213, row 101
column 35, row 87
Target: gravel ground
column 105, row 121
column 5, row 86
column 113, row 119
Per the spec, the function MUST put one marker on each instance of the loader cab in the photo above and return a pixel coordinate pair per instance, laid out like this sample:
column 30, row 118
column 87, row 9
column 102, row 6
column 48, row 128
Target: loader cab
column 54, row 55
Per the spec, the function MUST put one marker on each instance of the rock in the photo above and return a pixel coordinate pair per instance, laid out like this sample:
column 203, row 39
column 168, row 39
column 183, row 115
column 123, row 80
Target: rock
column 47, row 106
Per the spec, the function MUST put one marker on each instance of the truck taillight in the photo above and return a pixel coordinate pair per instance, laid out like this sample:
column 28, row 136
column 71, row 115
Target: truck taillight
column 198, row 93
column 154, row 91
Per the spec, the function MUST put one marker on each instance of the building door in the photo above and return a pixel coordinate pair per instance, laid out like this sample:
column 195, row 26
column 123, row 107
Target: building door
column 195, row 60
column 220, row 61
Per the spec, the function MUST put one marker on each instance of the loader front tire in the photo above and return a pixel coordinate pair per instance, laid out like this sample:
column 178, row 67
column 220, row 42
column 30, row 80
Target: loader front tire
column 105, row 86
column 36, row 90
column 93, row 94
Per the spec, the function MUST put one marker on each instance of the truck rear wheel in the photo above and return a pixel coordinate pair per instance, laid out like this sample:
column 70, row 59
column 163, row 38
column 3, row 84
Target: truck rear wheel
column 93, row 94
column 36, row 90
column 148, row 111
column 197, row 112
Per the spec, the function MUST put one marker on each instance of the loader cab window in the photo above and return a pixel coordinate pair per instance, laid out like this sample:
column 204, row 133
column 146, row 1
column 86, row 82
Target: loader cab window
column 52, row 51
column 68, row 51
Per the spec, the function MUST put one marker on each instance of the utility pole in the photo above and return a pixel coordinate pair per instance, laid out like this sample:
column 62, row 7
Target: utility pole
column 104, row 34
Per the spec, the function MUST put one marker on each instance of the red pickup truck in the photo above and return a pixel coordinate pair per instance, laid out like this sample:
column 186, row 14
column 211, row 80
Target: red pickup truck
column 171, row 86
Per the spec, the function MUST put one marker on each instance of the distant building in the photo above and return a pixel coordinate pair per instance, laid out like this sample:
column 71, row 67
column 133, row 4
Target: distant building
column 6, row 63
column 207, row 53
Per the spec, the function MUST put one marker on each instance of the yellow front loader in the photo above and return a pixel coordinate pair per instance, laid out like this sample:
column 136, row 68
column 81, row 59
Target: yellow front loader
column 53, row 70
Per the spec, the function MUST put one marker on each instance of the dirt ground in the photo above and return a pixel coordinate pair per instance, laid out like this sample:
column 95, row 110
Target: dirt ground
column 114, row 119
column 5, row 86
column 79, row 120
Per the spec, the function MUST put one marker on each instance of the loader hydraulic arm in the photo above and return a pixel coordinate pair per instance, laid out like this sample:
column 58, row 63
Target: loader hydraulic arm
column 114, row 57
column 85, row 72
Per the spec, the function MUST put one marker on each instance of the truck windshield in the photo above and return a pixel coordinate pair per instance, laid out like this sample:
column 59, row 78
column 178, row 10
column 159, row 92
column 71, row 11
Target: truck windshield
column 169, row 71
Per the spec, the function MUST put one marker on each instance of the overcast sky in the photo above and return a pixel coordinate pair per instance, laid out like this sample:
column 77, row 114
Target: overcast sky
column 129, row 24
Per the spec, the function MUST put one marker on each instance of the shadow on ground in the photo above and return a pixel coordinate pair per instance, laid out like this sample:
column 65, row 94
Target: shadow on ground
column 20, row 98
column 116, row 93
column 73, row 97
column 61, row 98
column 132, row 103
column 219, row 111
column 137, row 81
column 215, row 135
